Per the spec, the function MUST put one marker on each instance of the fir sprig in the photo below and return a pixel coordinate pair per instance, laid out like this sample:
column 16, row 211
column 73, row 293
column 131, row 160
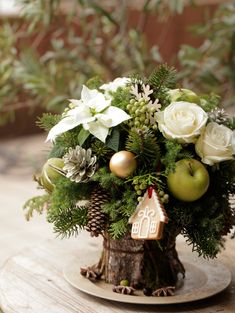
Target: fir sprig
column 63, row 212
column 109, row 181
column 163, row 77
column 102, row 152
column 47, row 121
column 144, row 145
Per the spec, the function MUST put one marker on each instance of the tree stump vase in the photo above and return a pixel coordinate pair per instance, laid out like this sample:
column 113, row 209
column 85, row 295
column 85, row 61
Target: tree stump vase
column 143, row 263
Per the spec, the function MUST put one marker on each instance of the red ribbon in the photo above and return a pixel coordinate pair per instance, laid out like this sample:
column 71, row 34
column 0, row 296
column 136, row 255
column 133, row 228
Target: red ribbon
column 150, row 192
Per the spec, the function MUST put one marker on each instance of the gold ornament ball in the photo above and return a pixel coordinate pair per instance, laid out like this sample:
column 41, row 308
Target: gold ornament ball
column 123, row 164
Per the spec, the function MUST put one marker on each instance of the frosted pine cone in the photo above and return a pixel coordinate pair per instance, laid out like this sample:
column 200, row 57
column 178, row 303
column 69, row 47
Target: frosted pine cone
column 80, row 165
column 219, row 116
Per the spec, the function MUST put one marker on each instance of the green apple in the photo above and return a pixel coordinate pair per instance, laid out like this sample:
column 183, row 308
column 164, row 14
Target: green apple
column 189, row 181
column 51, row 171
column 182, row 94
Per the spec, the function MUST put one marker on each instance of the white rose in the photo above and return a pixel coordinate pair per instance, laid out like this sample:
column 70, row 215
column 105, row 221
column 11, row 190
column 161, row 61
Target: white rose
column 216, row 144
column 182, row 121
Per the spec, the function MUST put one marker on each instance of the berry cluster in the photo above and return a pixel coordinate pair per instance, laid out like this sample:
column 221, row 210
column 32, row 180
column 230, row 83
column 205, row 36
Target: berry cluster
column 142, row 115
column 164, row 196
column 140, row 186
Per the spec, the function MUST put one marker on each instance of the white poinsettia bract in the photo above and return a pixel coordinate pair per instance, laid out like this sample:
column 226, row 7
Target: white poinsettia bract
column 94, row 112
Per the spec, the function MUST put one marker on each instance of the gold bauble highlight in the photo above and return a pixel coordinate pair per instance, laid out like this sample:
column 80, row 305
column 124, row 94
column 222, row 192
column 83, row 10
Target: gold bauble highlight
column 123, row 164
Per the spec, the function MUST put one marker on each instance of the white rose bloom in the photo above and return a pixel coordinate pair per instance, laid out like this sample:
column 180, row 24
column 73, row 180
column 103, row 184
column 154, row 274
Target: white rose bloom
column 216, row 144
column 182, row 121
column 114, row 85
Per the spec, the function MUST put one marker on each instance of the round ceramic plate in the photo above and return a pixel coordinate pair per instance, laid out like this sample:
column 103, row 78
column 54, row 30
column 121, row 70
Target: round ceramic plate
column 201, row 281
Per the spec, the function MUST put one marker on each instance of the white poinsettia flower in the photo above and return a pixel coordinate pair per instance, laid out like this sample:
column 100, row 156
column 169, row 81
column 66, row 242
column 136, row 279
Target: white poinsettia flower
column 95, row 114
column 114, row 85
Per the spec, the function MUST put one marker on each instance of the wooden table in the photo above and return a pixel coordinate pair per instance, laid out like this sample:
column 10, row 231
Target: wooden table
column 32, row 282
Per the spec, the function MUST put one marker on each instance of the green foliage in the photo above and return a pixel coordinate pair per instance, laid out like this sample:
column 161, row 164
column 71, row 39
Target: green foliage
column 37, row 204
column 50, row 66
column 8, row 53
column 118, row 229
column 108, row 181
column 216, row 52
column 122, row 204
column 102, row 152
column 66, row 216
column 174, row 151
column 154, row 179
column 64, row 141
column 201, row 228
column 232, row 123
column 144, row 145
column 121, row 207
column 47, row 121
column 163, row 77
column 160, row 80
column 121, row 98
column 204, row 222
column 94, row 82
column 210, row 102
column 68, row 222
column 113, row 140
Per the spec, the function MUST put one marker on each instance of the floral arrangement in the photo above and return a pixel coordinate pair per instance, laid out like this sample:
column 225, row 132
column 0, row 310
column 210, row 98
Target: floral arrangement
column 137, row 144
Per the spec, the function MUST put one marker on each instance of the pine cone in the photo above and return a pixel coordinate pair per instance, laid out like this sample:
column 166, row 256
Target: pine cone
column 97, row 220
column 219, row 116
column 79, row 164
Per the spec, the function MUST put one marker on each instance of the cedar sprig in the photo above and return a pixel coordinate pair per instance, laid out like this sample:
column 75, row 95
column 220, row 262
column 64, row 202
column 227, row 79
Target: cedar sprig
column 119, row 228
column 68, row 222
column 63, row 211
column 37, row 204
column 174, row 151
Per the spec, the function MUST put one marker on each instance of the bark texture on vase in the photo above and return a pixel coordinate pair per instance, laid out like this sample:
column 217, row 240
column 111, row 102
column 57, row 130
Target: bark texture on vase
column 144, row 263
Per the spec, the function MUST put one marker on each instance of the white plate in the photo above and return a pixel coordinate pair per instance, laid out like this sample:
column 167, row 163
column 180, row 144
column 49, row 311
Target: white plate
column 203, row 279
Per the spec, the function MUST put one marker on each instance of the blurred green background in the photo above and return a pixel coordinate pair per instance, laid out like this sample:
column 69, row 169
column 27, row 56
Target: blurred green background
column 49, row 48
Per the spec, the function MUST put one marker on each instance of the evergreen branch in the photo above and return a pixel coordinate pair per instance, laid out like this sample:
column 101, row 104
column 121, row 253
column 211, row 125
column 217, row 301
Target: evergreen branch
column 47, row 121
column 102, row 152
column 37, row 204
column 163, row 77
column 121, row 98
column 63, row 212
column 69, row 222
column 119, row 228
column 144, row 145
column 109, row 181
column 210, row 102
column 174, row 151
